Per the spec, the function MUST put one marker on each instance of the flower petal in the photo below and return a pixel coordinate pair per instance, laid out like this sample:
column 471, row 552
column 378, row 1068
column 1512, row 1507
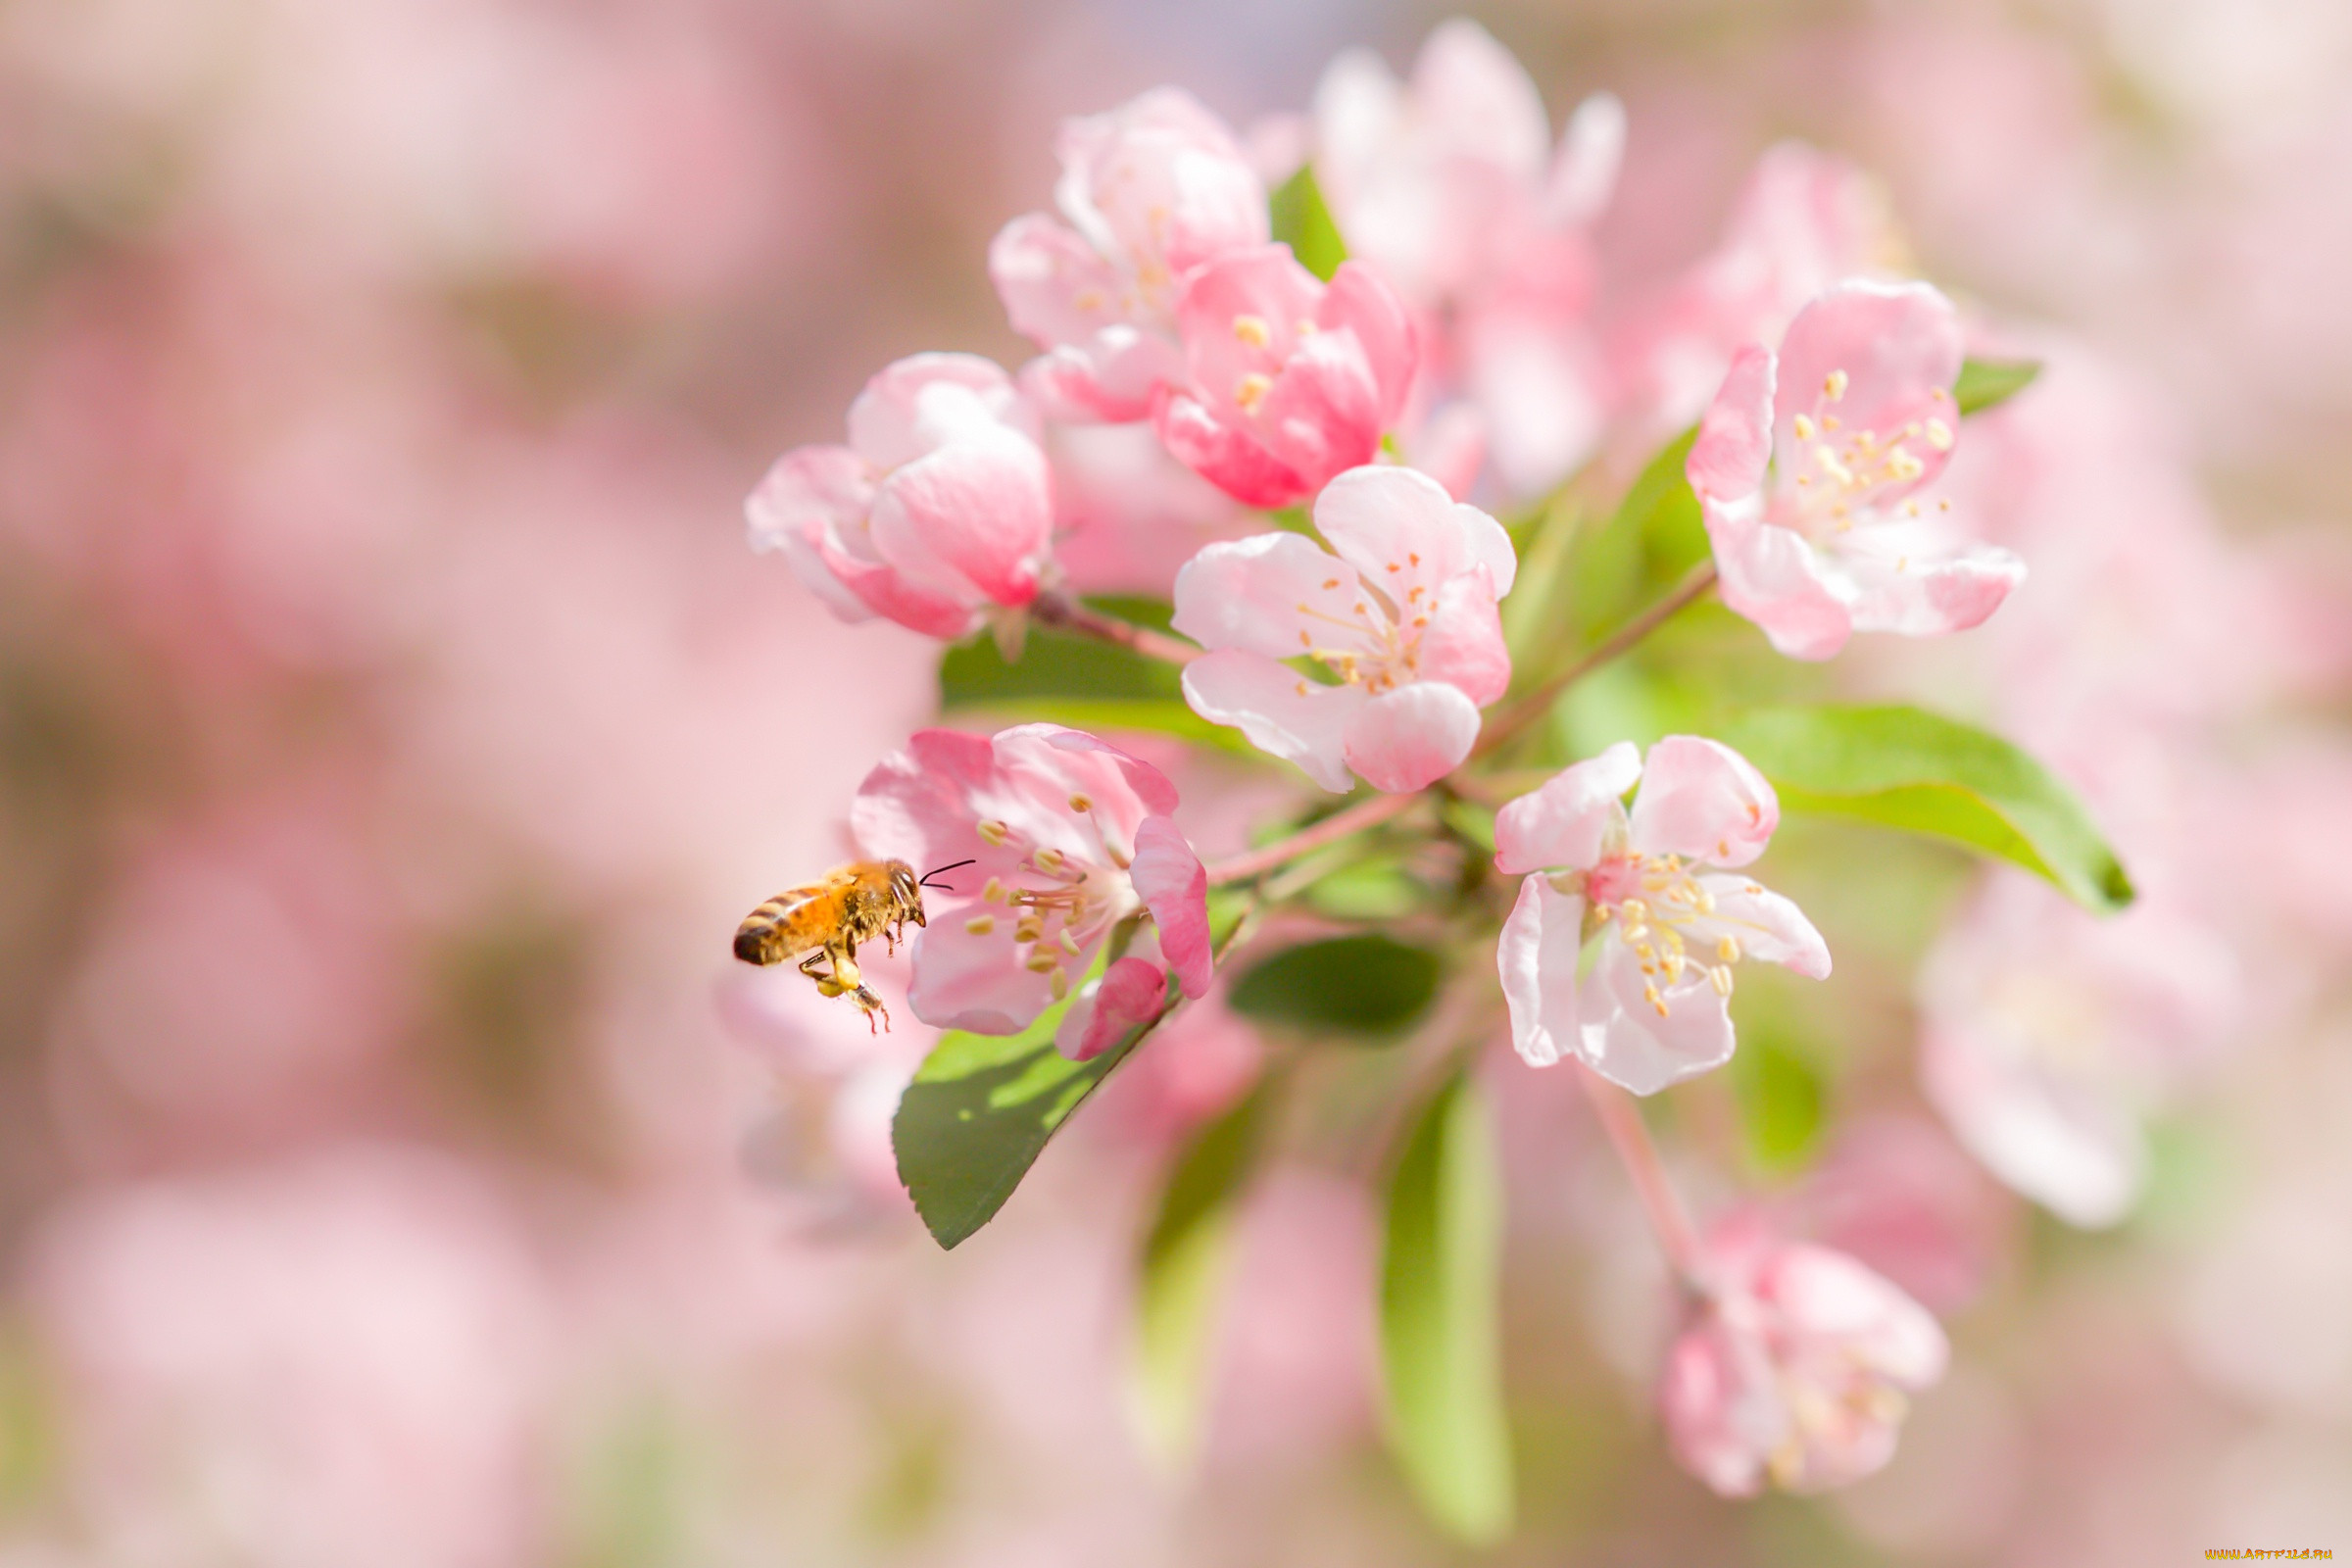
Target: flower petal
column 1898, row 348
column 974, row 517
column 1766, row 926
column 921, row 402
column 1411, row 737
column 1226, row 454
column 1273, row 594
column 1734, row 439
column 1280, row 712
column 1779, row 581
column 1463, row 644
column 1631, row 1044
column 1360, row 303
column 1829, row 1294
column 1169, row 878
column 974, row 981
column 810, row 492
column 1130, row 992
column 1702, row 801
column 1538, row 953
column 1401, row 529
column 1568, row 822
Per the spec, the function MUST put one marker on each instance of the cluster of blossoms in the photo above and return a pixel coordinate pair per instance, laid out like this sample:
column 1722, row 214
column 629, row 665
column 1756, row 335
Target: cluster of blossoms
column 1341, row 605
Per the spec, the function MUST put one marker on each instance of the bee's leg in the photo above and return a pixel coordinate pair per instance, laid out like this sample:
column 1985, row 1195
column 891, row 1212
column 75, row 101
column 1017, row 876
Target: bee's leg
column 845, row 966
column 871, row 1004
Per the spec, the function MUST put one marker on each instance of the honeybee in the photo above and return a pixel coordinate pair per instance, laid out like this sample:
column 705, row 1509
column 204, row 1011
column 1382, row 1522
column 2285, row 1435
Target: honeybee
column 821, row 922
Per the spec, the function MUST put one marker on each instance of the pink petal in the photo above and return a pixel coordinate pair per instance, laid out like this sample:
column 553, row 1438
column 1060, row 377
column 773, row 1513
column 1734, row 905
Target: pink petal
column 1401, row 530
column 1829, row 1294
column 883, row 590
column 1226, row 454
column 1767, row 926
column 1273, row 594
column 1150, row 786
column 1056, row 288
column 1463, row 644
column 1733, row 448
column 1710, row 1405
column 1323, row 413
column 976, row 983
column 1900, row 346
column 1474, row 98
column 1538, row 953
column 1266, row 283
column 1163, row 181
column 1626, row 1041
column 1131, row 991
column 977, row 514
column 1280, row 712
column 1924, row 595
column 811, row 491
column 919, row 402
column 916, row 803
column 1779, row 581
column 1411, row 737
column 2076, row 1152
column 1541, row 390
column 1360, row 303
column 1111, row 378
column 1174, row 886
column 1702, row 801
column 1568, row 823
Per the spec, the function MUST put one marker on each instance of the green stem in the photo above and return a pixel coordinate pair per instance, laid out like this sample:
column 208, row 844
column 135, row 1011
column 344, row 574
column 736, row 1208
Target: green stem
column 1506, row 725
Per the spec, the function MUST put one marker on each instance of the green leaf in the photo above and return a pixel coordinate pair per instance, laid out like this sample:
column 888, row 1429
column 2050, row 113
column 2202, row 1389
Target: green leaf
column 1186, row 1261
column 1363, row 985
column 981, row 1109
column 1304, row 223
column 1908, row 768
column 1988, row 383
column 1661, row 510
column 1059, row 664
column 1440, row 1341
column 1378, row 889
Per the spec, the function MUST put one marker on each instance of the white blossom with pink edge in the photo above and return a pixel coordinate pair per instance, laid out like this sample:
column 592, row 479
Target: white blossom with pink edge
column 1810, row 466
column 2048, row 1035
column 1401, row 609
column 1656, row 1008
column 938, row 511
column 1150, row 192
column 1447, row 183
column 1799, row 1368
column 1069, row 837
column 1288, row 380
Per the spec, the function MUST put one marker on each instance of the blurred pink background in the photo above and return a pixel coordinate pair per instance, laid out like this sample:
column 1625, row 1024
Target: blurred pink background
column 393, row 726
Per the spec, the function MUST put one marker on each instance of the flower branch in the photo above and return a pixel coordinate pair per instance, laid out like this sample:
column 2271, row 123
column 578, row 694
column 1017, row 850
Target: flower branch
column 1067, row 613
column 1507, row 724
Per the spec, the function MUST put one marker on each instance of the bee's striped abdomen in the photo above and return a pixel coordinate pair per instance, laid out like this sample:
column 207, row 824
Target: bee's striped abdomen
column 769, row 934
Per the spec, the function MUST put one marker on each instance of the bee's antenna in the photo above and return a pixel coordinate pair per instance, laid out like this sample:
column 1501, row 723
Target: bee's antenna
column 926, row 880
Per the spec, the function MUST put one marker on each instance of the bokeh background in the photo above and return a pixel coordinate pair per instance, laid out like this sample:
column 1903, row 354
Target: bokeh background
column 393, row 726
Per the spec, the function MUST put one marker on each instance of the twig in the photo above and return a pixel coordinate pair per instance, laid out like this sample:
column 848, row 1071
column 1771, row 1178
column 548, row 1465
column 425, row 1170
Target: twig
column 1629, row 1136
column 1066, row 614
column 1364, row 815
column 1536, row 703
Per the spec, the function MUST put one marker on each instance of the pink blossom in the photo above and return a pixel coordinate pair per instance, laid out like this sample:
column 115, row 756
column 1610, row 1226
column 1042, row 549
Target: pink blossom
column 1656, row 1005
column 1071, row 838
column 2050, row 1034
column 1150, row 192
column 1128, row 515
column 940, row 508
column 1810, row 467
column 1798, row 1367
column 1449, row 187
column 1288, row 381
column 1403, row 614
column 1804, row 221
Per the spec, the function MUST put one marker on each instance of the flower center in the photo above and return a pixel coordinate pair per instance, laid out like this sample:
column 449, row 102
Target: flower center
column 1843, row 476
column 1380, row 649
column 1060, row 905
column 1652, row 899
